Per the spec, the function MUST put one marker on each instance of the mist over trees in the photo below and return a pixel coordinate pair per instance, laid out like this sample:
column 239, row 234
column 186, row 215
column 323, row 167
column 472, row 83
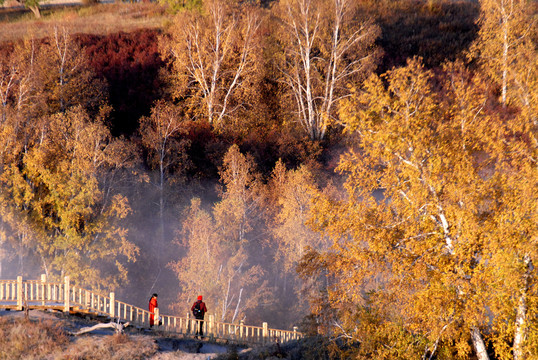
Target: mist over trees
column 364, row 169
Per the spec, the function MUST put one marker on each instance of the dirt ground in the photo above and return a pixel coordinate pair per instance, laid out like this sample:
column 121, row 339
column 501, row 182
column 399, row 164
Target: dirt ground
column 169, row 348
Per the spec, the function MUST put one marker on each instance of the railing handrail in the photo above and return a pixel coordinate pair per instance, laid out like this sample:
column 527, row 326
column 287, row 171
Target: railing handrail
column 64, row 295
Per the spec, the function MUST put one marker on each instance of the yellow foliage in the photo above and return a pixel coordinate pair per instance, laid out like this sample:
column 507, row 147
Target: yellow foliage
column 440, row 217
column 56, row 194
column 505, row 50
column 218, row 263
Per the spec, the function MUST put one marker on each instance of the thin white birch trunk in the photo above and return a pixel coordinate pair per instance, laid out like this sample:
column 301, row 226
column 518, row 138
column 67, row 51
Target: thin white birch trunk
column 505, row 65
column 520, row 333
column 238, row 304
column 210, row 60
column 478, row 343
column 317, row 87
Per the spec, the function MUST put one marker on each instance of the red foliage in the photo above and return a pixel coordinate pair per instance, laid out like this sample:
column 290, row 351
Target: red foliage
column 6, row 48
column 130, row 62
column 205, row 151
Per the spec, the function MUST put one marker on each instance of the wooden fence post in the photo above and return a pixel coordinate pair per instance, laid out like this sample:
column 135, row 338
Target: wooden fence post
column 86, row 300
column 265, row 332
column 156, row 317
column 211, row 326
column 112, row 305
column 188, row 323
column 43, row 288
column 294, row 332
column 19, row 293
column 241, row 325
column 66, row 294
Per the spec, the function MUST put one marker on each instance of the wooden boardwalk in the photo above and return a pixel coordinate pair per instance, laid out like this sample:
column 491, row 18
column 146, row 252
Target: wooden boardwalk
column 41, row 294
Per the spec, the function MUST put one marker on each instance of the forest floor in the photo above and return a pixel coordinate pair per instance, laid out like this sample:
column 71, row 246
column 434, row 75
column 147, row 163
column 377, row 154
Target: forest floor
column 104, row 343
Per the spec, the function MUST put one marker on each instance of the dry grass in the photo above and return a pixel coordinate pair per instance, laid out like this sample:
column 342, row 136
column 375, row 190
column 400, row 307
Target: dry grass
column 45, row 339
column 24, row 339
column 113, row 347
column 16, row 24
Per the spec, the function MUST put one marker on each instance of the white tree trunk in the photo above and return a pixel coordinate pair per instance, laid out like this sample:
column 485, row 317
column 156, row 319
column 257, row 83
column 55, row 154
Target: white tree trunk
column 478, row 343
column 520, row 333
column 116, row 326
column 237, row 306
column 317, row 87
column 35, row 10
column 213, row 67
column 505, row 66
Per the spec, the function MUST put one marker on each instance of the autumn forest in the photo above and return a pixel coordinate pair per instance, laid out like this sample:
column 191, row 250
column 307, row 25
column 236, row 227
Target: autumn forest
column 365, row 170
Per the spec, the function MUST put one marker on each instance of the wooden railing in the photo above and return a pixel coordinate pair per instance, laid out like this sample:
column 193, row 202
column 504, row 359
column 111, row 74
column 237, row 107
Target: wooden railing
column 42, row 294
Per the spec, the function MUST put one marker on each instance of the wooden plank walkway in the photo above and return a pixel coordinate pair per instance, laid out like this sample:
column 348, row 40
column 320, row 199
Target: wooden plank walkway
column 42, row 294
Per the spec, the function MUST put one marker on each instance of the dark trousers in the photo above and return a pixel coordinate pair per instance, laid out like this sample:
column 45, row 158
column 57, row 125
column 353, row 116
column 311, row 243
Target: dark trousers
column 200, row 328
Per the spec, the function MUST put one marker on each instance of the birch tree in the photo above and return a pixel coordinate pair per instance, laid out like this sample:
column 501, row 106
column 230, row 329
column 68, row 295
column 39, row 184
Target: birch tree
column 8, row 78
column 505, row 49
column 513, row 241
column 17, row 95
column 295, row 191
column 515, row 298
column 33, row 5
column 325, row 48
column 240, row 209
column 508, row 55
column 217, row 262
column 213, row 54
column 66, row 79
column 166, row 153
column 292, row 194
column 18, row 81
column 413, row 257
column 239, row 219
column 230, row 284
column 75, row 225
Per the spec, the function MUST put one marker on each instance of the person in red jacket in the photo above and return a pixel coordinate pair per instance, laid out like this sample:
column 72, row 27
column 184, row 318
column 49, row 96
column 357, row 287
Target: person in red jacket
column 152, row 305
column 198, row 310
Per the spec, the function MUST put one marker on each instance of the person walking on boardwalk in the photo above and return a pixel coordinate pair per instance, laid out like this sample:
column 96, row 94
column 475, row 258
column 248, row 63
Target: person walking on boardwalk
column 198, row 310
column 152, row 305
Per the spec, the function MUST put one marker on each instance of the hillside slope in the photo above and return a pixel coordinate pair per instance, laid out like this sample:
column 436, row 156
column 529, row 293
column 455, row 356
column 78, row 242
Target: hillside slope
column 47, row 335
column 101, row 19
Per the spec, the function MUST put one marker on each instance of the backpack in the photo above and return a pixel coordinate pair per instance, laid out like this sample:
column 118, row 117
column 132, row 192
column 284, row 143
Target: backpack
column 197, row 310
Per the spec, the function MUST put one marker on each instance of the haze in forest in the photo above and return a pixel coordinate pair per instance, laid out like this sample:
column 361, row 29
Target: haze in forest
column 365, row 170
